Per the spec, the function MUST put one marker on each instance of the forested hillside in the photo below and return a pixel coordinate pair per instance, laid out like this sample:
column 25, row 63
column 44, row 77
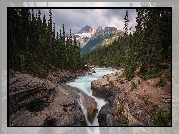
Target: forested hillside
column 150, row 45
column 99, row 42
column 34, row 48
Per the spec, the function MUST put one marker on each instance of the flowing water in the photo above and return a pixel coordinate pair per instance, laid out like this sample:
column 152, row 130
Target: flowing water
column 84, row 84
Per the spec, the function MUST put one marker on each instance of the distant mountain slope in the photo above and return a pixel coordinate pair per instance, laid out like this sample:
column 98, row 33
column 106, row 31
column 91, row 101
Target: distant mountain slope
column 99, row 42
column 86, row 33
column 85, row 29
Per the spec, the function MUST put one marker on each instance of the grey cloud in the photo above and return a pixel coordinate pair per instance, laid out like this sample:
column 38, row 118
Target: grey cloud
column 120, row 13
column 75, row 19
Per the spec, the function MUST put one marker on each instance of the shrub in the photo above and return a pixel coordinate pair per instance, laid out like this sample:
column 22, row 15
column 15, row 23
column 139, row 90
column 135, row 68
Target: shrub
column 129, row 71
column 148, row 75
column 154, row 106
column 163, row 118
column 133, row 85
column 168, row 75
column 146, row 101
column 124, row 120
column 160, row 83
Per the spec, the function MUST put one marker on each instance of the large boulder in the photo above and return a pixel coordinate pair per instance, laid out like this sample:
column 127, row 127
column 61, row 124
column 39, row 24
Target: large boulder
column 91, row 106
column 107, row 85
column 101, row 92
column 88, row 102
column 40, row 102
column 27, row 91
column 105, row 117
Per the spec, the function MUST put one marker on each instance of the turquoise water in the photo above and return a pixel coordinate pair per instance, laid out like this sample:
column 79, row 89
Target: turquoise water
column 84, row 84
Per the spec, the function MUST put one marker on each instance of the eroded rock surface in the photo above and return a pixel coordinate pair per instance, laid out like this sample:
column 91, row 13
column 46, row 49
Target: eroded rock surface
column 130, row 103
column 41, row 102
column 107, row 85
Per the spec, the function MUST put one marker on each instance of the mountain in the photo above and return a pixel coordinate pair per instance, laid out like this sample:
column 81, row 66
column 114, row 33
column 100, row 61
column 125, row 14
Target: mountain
column 86, row 29
column 86, row 34
column 100, row 41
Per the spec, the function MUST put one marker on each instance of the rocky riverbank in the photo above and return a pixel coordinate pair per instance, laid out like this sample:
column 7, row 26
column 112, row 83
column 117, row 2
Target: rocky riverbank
column 131, row 103
column 47, row 102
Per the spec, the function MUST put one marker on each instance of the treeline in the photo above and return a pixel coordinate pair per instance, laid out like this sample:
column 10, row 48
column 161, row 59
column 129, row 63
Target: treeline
column 150, row 45
column 33, row 46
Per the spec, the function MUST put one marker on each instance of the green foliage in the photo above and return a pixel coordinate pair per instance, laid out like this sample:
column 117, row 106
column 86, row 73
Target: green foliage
column 163, row 118
column 160, row 83
column 133, row 85
column 129, row 71
column 111, row 85
column 154, row 106
column 163, row 66
column 148, row 75
column 34, row 48
column 97, row 43
column 168, row 75
column 118, row 110
column 146, row 100
column 100, row 42
column 123, row 119
column 148, row 45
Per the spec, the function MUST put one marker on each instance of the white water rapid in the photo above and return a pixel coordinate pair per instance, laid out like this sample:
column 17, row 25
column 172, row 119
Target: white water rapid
column 84, row 84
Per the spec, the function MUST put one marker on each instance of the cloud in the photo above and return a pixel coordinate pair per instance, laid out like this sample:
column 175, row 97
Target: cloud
column 75, row 19
column 133, row 22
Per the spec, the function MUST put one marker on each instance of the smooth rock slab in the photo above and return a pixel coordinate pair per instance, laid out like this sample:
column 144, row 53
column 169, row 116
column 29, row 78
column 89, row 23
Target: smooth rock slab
column 40, row 102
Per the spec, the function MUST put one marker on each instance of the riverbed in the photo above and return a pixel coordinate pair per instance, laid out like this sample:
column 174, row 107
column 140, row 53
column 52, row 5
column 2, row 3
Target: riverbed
column 84, row 84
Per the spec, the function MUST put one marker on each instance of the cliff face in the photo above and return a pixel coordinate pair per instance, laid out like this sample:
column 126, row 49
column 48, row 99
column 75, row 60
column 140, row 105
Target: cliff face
column 130, row 103
column 87, row 34
column 41, row 102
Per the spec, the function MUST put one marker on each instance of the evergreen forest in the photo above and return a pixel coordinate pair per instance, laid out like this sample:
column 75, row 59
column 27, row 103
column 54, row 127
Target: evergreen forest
column 149, row 46
column 35, row 47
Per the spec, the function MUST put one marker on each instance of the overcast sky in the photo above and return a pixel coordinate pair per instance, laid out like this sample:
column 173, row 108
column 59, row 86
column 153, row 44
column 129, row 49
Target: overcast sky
column 75, row 19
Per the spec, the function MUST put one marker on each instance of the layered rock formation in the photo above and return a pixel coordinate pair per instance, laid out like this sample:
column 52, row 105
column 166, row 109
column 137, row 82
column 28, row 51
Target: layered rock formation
column 41, row 102
column 130, row 103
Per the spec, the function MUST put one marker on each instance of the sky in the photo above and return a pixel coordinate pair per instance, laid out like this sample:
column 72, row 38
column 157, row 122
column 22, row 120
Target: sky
column 75, row 19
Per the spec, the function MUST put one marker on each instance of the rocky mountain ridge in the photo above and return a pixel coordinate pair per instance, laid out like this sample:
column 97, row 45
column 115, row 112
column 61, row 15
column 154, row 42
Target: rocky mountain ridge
column 87, row 33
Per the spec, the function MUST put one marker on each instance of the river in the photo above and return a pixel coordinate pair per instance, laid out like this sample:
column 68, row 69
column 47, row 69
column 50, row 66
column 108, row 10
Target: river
column 84, row 84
